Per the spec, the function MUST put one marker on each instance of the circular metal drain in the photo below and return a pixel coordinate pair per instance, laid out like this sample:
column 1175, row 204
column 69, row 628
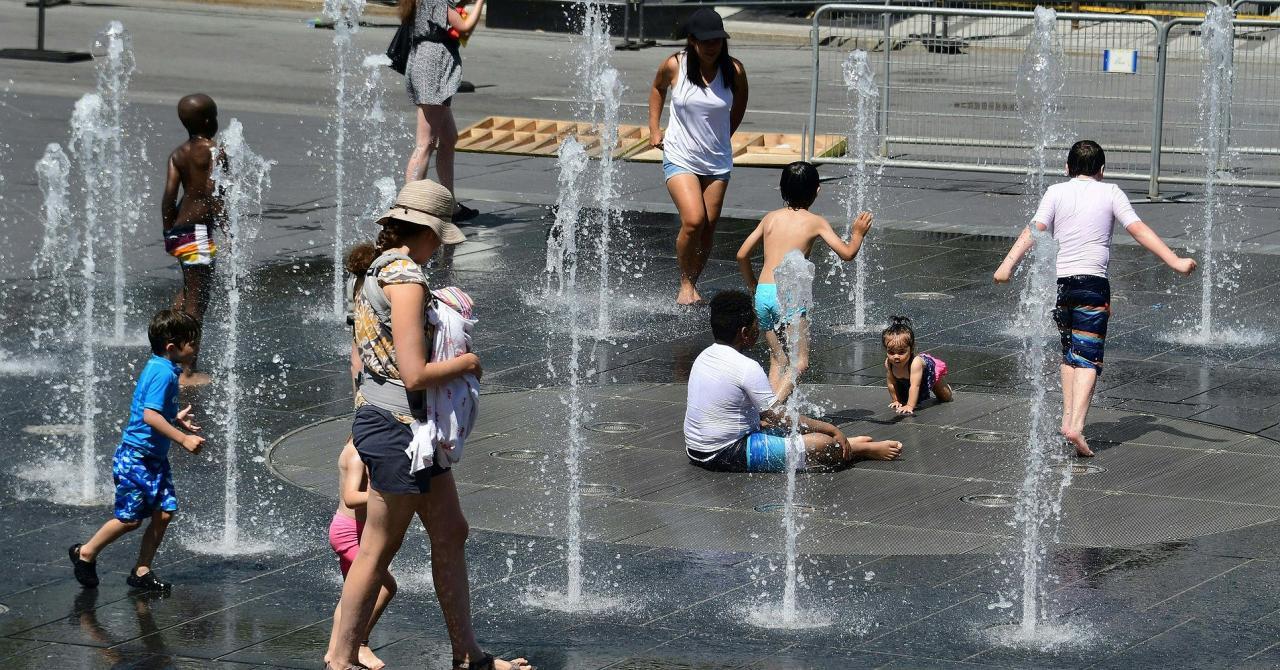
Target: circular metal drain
column 614, row 427
column 53, row 429
column 924, row 295
column 986, row 436
column 777, row 508
column 600, row 490
column 1080, row 468
column 987, row 106
column 988, row 500
column 518, row 455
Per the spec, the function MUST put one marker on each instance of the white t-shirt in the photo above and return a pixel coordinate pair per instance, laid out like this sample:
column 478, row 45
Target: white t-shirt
column 1080, row 214
column 727, row 391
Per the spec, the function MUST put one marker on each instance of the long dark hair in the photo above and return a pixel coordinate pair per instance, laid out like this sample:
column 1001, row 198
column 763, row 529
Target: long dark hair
column 899, row 327
column 724, row 63
column 406, row 9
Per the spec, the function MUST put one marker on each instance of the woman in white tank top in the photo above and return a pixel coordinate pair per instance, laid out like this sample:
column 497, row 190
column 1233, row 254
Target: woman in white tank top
column 708, row 100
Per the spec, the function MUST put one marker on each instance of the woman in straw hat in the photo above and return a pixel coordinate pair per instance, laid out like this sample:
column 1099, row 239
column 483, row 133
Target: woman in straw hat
column 392, row 340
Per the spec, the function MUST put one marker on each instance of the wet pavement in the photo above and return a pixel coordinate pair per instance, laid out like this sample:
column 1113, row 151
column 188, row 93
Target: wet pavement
column 1166, row 557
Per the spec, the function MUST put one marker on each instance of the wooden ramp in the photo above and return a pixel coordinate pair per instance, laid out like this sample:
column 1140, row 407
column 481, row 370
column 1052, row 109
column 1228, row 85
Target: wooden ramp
column 542, row 137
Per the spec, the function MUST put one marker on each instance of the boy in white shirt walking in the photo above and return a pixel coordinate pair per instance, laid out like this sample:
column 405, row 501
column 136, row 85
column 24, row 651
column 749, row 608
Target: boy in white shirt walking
column 1079, row 214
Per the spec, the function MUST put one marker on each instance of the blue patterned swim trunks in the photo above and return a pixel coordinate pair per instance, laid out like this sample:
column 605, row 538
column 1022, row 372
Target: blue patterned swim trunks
column 144, row 484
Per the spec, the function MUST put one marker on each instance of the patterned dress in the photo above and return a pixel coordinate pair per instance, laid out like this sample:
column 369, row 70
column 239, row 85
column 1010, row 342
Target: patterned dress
column 434, row 71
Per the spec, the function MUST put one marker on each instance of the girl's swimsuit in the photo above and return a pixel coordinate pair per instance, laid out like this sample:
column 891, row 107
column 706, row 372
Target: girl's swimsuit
column 934, row 369
column 344, row 539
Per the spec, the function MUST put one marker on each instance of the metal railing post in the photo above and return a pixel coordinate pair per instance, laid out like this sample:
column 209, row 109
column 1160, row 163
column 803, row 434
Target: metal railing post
column 887, row 47
column 810, row 142
column 1157, row 113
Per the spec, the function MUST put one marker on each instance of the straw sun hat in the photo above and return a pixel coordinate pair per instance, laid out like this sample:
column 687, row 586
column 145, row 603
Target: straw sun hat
column 427, row 204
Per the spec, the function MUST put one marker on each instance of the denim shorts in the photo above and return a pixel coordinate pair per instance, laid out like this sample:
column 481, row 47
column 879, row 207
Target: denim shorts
column 670, row 170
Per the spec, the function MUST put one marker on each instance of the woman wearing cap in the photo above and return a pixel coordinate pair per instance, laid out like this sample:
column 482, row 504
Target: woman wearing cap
column 708, row 101
column 391, row 337
column 432, row 75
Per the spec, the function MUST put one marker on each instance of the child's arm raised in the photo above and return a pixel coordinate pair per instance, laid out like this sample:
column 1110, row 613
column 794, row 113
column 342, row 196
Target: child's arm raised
column 913, row 396
column 744, row 256
column 857, row 232
column 468, row 25
column 169, row 201
column 1016, row 253
column 1152, row 242
column 192, row 443
column 894, row 401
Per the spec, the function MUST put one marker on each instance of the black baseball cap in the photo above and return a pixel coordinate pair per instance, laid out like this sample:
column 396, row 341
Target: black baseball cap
column 705, row 24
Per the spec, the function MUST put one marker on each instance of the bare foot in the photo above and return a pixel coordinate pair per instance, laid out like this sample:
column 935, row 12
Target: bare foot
column 688, row 294
column 369, row 660
column 884, row 450
column 517, row 664
column 1076, row 438
column 193, row 379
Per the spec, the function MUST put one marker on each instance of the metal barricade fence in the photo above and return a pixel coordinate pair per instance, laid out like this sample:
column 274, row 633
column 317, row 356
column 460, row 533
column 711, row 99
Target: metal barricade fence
column 948, row 98
column 1254, row 110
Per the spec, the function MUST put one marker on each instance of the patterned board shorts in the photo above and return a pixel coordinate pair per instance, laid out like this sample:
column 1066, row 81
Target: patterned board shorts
column 191, row 245
column 144, row 484
column 1082, row 312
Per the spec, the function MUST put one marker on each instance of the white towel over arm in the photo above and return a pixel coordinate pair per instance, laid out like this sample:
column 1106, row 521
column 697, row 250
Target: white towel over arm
column 452, row 407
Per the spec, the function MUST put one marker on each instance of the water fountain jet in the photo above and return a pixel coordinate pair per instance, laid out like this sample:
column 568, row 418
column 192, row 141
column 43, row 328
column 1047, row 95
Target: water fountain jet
column 862, row 188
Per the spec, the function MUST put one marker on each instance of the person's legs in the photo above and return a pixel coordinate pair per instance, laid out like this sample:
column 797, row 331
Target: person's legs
column 1068, row 375
column 713, row 191
column 1080, row 393
column 942, row 390
column 428, row 125
column 777, row 362
column 822, row 449
column 441, row 514
column 151, row 539
column 385, row 594
column 197, row 281
column 446, row 139
column 110, row 531
column 686, row 193
column 387, row 518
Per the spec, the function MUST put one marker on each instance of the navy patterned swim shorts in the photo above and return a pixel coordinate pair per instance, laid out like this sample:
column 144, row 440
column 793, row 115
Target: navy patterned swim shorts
column 144, row 484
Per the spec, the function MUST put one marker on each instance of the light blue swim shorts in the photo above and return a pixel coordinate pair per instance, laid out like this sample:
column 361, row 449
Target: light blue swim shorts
column 769, row 311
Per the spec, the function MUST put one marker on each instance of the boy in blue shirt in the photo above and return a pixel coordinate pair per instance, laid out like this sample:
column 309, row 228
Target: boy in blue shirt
column 144, row 485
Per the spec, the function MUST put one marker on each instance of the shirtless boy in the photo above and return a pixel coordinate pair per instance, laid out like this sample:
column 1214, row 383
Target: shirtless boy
column 782, row 231
column 189, row 220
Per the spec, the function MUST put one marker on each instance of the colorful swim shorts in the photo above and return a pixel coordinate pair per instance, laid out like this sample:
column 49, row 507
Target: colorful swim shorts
column 761, row 451
column 1082, row 312
column 769, row 310
column 191, row 245
column 144, row 483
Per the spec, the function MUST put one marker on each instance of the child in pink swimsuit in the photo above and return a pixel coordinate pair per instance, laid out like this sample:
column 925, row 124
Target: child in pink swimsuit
column 344, row 538
column 911, row 376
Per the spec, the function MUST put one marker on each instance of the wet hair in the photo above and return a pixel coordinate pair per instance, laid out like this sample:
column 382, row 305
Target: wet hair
column 198, row 114
column 899, row 330
column 172, row 326
column 799, row 184
column 731, row 311
column 406, row 10
column 724, row 63
column 395, row 233
column 1085, row 158
column 358, row 260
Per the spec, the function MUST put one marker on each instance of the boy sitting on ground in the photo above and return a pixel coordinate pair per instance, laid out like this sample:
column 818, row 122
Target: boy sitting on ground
column 189, row 221
column 792, row 228
column 144, row 484
column 733, row 422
